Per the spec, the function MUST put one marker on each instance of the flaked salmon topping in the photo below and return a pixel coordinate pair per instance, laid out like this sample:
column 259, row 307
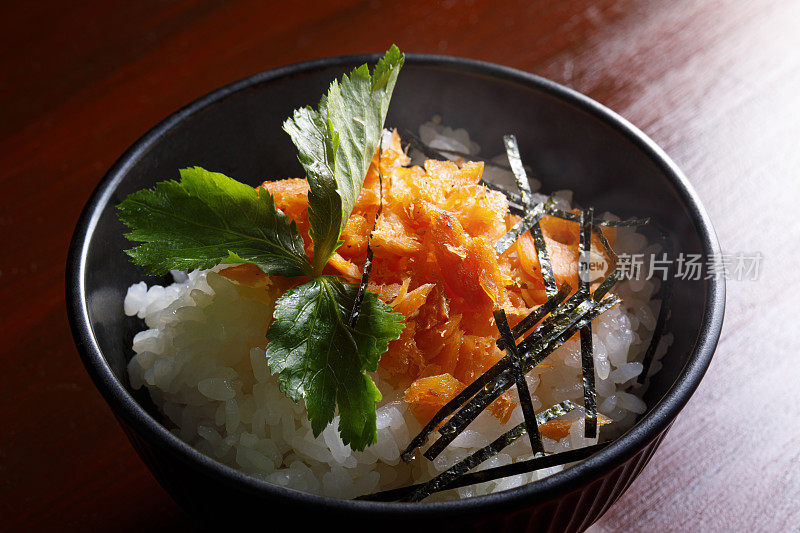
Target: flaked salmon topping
column 434, row 262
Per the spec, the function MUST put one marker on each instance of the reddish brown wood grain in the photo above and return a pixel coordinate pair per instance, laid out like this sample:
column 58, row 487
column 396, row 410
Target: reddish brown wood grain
column 715, row 83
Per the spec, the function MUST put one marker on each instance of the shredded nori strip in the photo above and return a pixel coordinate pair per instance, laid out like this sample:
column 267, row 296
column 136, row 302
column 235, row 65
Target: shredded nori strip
column 514, row 159
column 533, row 217
column 556, row 331
column 362, row 287
column 566, row 215
column 561, row 317
column 448, row 476
column 512, row 150
column 585, row 250
column 541, row 344
column 663, row 311
column 498, row 472
column 537, row 314
column 451, row 406
column 482, row 380
column 587, row 356
column 513, row 197
column 490, row 392
column 549, row 278
column 522, row 386
column 606, row 245
column 567, row 318
column 439, row 153
column 606, row 285
column 426, row 150
column 462, row 467
column 623, row 223
column 589, row 392
column 575, row 217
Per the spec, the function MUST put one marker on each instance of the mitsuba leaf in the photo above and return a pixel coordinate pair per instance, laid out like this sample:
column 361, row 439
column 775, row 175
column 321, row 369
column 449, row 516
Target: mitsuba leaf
column 336, row 143
column 316, row 146
column 320, row 359
column 357, row 109
column 207, row 219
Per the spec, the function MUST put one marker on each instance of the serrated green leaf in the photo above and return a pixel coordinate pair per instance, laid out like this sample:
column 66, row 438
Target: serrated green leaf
column 336, row 143
column 322, row 360
column 316, row 146
column 206, row 219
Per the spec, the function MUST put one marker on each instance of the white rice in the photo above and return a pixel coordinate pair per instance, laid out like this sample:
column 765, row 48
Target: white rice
column 202, row 360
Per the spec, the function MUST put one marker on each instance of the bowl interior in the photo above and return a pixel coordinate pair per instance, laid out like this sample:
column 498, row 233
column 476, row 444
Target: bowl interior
column 238, row 132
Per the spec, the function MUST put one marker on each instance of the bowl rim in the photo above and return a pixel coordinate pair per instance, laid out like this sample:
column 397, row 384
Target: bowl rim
column 650, row 427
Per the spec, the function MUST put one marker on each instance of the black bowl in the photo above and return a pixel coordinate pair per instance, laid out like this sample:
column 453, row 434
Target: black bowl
column 570, row 141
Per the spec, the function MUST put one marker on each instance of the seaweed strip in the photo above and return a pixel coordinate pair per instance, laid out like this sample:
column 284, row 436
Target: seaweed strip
column 426, row 150
column 575, row 217
column 514, row 159
column 522, row 386
column 598, row 309
column 482, row 380
column 479, row 394
column 587, row 356
column 498, row 472
column 491, row 391
column 538, row 343
column 453, row 405
column 663, row 311
column 447, row 477
column 565, row 215
column 499, row 370
column 439, row 153
column 362, row 287
column 512, row 150
column 533, row 217
column 615, row 273
column 549, row 278
column 606, row 285
column 589, row 392
column 502, row 382
column 563, row 315
column 537, row 314
column 512, row 196
column 606, row 245
column 585, row 249
column 623, row 223
column 542, row 346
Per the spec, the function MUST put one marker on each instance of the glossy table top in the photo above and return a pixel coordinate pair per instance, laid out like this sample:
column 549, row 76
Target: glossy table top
column 714, row 83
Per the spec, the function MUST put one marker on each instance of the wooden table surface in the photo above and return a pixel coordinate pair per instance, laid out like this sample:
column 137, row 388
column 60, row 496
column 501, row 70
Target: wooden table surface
column 715, row 83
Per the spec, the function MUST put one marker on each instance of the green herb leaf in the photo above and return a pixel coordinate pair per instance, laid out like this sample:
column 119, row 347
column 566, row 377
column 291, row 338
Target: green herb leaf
column 336, row 144
column 321, row 359
column 207, row 219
